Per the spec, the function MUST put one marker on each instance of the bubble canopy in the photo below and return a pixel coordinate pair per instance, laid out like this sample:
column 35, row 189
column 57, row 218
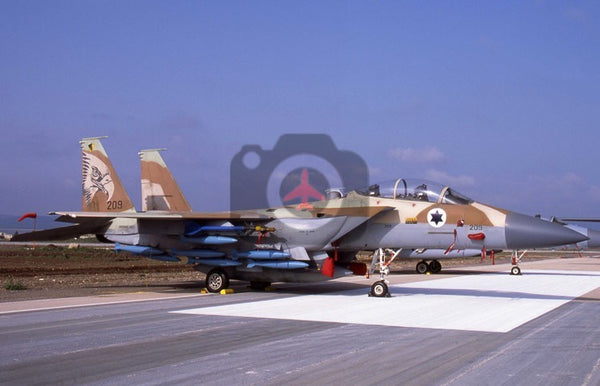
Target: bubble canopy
column 417, row 190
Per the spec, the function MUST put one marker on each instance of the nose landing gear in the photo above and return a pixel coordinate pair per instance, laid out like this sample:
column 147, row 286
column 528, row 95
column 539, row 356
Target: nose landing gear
column 515, row 260
column 380, row 289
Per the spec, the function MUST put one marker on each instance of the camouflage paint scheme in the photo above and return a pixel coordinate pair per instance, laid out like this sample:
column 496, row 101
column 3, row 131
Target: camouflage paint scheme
column 289, row 243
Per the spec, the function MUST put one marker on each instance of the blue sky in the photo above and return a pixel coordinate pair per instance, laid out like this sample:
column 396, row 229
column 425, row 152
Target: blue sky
column 498, row 99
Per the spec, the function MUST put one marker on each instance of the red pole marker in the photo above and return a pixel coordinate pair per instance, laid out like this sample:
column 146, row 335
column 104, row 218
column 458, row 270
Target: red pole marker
column 32, row 215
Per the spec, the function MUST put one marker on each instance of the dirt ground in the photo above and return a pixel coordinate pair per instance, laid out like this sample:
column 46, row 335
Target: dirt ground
column 57, row 271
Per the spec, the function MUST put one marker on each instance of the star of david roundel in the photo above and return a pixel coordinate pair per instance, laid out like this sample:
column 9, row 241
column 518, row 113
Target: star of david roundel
column 436, row 217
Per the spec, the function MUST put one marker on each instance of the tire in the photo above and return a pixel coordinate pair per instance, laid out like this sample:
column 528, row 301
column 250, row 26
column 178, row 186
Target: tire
column 379, row 289
column 216, row 280
column 435, row 266
column 422, row 267
column 515, row 270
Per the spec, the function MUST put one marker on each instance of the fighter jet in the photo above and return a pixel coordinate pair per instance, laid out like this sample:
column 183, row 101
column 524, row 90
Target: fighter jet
column 288, row 243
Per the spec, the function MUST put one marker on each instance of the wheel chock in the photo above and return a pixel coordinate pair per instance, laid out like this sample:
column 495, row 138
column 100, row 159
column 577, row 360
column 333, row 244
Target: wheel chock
column 226, row 291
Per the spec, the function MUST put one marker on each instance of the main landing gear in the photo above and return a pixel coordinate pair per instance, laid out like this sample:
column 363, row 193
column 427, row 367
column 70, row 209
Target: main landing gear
column 216, row 280
column 433, row 267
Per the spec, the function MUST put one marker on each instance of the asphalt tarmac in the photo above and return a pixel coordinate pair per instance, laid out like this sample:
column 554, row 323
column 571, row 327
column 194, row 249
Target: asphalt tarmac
column 463, row 327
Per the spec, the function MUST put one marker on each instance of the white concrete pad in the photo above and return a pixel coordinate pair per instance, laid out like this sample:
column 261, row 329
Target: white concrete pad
column 487, row 302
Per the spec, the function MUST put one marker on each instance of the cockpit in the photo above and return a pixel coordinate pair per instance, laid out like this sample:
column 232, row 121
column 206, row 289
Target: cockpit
column 416, row 190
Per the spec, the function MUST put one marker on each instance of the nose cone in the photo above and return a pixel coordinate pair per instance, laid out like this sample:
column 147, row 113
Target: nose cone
column 530, row 232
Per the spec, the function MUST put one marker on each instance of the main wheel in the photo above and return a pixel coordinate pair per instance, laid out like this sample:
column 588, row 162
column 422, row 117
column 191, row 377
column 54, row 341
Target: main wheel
column 435, row 266
column 216, row 280
column 379, row 289
column 515, row 270
column 422, row 267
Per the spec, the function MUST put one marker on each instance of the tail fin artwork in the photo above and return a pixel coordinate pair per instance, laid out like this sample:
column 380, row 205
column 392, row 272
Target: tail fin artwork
column 159, row 189
column 102, row 190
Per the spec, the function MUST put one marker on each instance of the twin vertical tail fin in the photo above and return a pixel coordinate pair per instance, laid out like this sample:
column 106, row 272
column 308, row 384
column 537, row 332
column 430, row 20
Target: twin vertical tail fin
column 159, row 189
column 102, row 190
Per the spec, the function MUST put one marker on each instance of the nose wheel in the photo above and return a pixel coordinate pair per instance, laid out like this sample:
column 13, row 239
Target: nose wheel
column 380, row 289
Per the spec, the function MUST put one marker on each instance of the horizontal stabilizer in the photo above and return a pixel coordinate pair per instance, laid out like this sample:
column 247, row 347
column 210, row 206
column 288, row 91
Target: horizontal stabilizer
column 61, row 233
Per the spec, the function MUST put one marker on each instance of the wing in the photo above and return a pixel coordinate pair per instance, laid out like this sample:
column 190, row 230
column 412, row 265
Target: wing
column 63, row 233
column 97, row 222
column 82, row 217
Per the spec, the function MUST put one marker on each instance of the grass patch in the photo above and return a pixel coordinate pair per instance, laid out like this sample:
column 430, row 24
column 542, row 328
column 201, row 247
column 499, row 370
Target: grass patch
column 12, row 285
